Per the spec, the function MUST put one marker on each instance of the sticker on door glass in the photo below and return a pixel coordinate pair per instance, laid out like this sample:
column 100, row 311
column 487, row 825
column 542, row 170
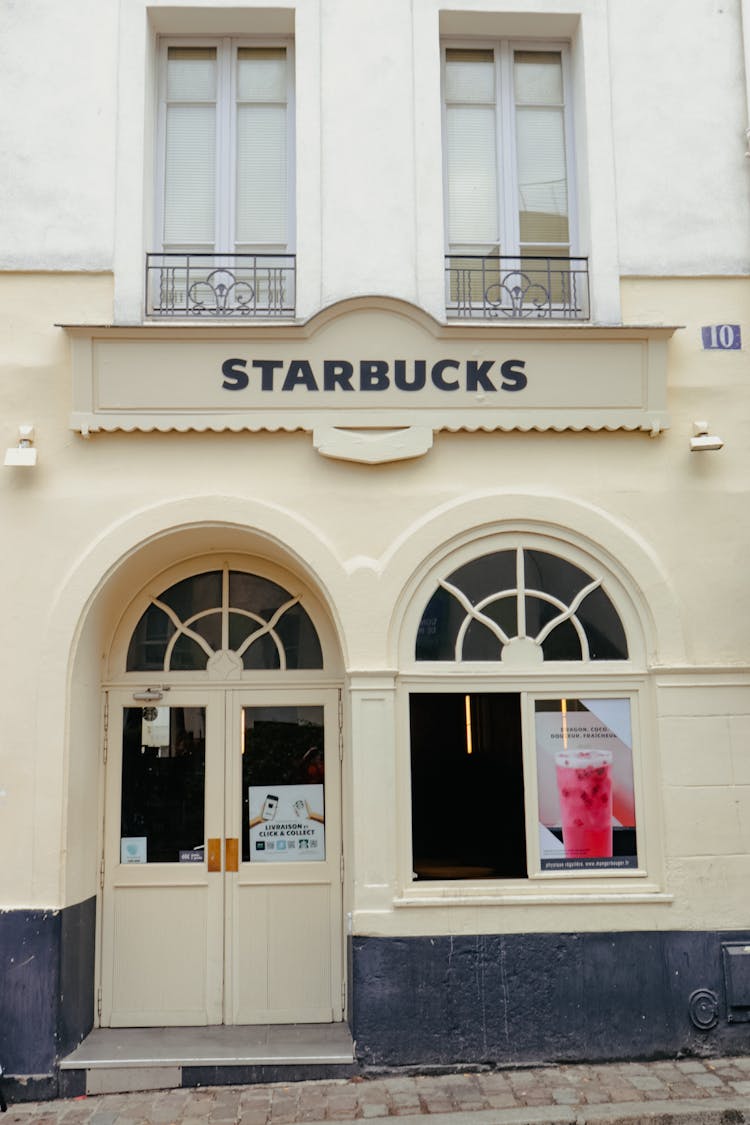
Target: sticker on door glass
column 133, row 849
column 287, row 823
column 585, row 781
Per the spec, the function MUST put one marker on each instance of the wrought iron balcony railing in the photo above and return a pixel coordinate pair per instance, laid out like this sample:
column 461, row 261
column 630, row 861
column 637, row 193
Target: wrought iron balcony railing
column 526, row 286
column 220, row 285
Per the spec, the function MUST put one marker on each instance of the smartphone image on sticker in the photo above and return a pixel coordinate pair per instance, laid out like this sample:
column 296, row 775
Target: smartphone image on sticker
column 270, row 805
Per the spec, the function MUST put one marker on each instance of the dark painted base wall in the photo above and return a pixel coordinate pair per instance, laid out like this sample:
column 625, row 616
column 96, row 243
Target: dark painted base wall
column 46, row 991
column 526, row 998
column 428, row 1002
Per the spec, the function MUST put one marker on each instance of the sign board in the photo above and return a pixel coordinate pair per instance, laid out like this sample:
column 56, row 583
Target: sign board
column 585, row 785
column 721, row 337
column 286, row 823
column 372, row 365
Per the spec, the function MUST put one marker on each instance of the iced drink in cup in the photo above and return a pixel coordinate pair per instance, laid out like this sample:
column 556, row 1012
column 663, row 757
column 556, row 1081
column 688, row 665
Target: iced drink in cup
column 584, row 783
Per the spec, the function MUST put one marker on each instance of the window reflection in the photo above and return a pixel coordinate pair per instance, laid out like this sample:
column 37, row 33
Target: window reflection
column 283, row 773
column 163, row 783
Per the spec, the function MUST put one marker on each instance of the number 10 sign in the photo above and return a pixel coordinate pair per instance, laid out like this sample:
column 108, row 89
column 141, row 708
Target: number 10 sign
column 721, row 337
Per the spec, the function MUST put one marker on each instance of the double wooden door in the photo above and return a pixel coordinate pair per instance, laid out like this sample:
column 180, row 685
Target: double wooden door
column 221, row 898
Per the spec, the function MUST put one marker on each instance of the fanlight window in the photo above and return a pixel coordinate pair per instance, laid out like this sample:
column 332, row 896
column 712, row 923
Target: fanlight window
column 521, row 604
column 224, row 622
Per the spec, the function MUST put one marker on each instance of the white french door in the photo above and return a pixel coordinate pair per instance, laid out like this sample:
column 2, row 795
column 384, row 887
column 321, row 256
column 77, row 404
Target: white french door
column 222, row 885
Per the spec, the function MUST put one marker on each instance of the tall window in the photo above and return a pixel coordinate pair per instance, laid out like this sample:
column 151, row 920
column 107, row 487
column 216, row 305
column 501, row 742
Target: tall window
column 224, row 213
column 225, row 128
column 534, row 776
column 508, row 163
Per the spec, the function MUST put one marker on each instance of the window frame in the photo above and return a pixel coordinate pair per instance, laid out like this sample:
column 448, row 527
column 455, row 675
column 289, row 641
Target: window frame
column 508, row 234
column 620, row 679
column 225, row 179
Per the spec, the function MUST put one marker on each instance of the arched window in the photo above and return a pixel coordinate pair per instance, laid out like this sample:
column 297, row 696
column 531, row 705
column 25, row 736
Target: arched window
column 224, row 621
column 520, row 599
column 522, row 760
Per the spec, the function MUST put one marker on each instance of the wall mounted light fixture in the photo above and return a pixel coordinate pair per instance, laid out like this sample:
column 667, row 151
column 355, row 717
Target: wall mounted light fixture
column 702, row 441
column 22, row 455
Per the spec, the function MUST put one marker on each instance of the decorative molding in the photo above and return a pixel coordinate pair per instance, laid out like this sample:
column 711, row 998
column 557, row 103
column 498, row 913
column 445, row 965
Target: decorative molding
column 375, row 366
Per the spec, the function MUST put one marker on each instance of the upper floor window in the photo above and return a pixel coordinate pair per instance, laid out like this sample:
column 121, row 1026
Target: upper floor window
column 224, row 210
column 508, row 160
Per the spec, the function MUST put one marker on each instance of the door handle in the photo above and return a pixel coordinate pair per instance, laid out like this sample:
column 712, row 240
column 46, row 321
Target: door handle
column 231, row 854
column 213, row 853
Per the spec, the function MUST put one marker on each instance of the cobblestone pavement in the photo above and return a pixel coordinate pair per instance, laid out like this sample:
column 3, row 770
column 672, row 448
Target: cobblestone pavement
column 689, row 1090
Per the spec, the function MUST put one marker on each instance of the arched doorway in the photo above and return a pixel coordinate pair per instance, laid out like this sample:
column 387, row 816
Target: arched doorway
column 221, row 878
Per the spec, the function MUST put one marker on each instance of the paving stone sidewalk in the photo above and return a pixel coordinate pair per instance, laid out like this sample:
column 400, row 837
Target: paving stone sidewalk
column 688, row 1091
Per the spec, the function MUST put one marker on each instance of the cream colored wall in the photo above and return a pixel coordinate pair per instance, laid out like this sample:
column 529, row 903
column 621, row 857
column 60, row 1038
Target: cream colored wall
column 670, row 523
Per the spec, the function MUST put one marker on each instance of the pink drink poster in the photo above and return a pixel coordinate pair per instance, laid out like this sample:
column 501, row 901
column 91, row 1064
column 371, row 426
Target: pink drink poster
column 585, row 784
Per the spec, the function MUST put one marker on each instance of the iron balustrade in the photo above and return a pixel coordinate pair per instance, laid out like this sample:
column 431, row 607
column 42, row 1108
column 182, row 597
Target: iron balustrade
column 517, row 286
column 220, row 285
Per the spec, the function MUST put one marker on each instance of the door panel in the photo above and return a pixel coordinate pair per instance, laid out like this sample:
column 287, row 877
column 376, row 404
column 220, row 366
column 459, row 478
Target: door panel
column 256, row 775
column 285, row 948
column 162, row 930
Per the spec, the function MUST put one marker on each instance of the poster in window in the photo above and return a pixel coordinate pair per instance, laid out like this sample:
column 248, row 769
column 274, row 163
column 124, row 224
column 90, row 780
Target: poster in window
column 584, row 753
column 287, row 823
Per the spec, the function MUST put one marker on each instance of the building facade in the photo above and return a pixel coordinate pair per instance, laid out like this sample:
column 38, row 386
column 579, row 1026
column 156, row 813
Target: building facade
column 374, row 506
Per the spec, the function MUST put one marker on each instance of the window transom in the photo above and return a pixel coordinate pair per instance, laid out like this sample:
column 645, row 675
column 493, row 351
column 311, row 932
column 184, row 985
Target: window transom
column 520, row 606
column 224, row 622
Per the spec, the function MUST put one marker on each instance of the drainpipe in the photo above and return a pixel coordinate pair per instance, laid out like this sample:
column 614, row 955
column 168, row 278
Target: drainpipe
column 745, row 21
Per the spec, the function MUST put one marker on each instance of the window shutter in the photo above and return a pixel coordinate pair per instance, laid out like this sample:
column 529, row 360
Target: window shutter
column 190, row 154
column 540, row 148
column 471, row 130
column 262, row 174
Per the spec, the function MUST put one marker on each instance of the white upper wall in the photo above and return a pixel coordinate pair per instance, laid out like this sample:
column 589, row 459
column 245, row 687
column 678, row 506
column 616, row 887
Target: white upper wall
column 660, row 149
column 679, row 119
column 58, row 63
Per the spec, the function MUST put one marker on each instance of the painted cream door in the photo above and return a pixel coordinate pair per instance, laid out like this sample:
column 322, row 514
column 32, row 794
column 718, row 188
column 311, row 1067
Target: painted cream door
column 284, row 925
column 207, row 917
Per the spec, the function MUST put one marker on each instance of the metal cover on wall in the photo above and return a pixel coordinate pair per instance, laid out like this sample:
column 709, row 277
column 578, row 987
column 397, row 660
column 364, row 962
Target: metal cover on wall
column 736, row 958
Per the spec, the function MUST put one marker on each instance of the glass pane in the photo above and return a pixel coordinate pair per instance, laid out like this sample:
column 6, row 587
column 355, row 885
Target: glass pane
column 441, row 620
column 552, row 575
column 294, row 629
column 283, row 780
column 148, row 645
column 261, row 655
column 300, row 640
column 604, row 629
column 537, row 77
column 200, row 591
column 261, row 74
column 190, row 174
column 191, row 74
column 490, row 574
column 469, row 76
column 444, row 615
column 596, row 613
column 472, row 175
column 563, row 643
column 585, row 784
column 480, row 643
column 260, row 595
column 262, row 201
column 468, row 819
column 542, row 178
column 188, row 656
column 163, row 784
column 209, row 627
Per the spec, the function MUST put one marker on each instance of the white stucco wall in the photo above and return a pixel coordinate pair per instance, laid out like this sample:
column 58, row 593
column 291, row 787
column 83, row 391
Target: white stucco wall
column 660, row 110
